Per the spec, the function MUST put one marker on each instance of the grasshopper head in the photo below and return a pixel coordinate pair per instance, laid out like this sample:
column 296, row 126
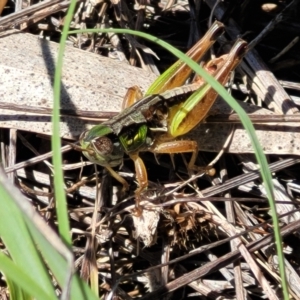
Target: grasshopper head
column 101, row 146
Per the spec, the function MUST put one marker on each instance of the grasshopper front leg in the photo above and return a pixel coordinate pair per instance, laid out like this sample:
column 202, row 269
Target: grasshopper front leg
column 119, row 178
column 142, row 179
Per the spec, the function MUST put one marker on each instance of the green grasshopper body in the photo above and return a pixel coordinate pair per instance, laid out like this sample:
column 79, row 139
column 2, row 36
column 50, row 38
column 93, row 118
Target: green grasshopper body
column 168, row 111
column 131, row 130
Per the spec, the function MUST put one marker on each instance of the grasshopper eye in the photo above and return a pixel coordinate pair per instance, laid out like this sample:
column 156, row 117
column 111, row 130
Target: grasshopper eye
column 103, row 145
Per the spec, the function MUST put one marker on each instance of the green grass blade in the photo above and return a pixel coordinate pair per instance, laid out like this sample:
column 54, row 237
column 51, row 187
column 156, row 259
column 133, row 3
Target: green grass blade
column 260, row 156
column 60, row 196
column 22, row 237
column 20, row 279
column 78, row 288
column 59, row 267
column 15, row 290
column 19, row 243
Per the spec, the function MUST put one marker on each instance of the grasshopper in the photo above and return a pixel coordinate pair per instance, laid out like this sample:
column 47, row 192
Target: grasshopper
column 168, row 110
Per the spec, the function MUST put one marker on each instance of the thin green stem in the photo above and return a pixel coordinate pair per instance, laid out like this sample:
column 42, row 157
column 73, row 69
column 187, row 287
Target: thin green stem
column 60, row 196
